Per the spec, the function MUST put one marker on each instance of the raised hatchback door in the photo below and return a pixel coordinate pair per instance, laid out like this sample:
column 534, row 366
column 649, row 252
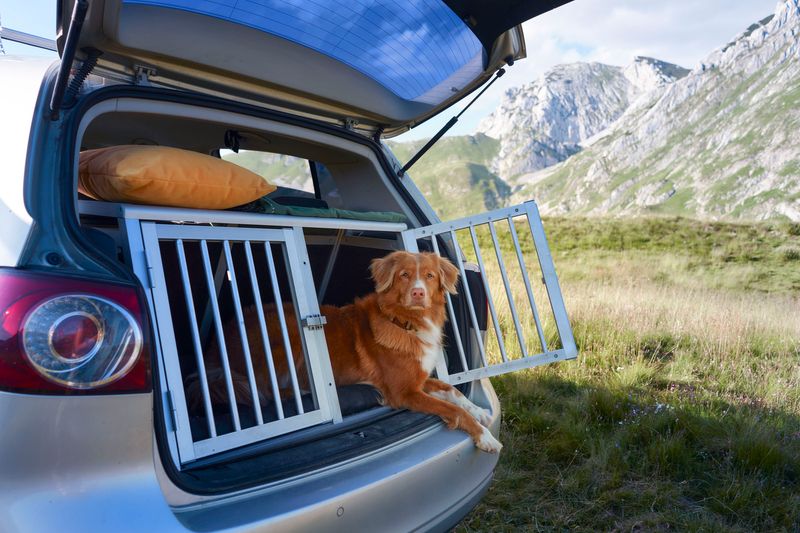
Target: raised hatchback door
column 382, row 64
column 527, row 322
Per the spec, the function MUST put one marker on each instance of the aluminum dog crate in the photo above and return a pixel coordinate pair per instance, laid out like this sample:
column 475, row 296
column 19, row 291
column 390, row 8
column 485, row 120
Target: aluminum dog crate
column 157, row 241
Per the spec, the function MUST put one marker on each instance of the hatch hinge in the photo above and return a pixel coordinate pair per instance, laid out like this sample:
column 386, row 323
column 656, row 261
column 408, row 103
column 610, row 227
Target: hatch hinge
column 149, row 271
column 314, row 321
column 142, row 74
column 350, row 123
column 171, row 408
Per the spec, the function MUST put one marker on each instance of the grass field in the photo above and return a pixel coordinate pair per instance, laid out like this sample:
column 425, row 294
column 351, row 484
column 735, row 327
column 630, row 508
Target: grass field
column 682, row 412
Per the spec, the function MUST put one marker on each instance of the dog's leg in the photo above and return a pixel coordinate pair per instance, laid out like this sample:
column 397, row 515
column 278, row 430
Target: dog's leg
column 448, row 393
column 453, row 415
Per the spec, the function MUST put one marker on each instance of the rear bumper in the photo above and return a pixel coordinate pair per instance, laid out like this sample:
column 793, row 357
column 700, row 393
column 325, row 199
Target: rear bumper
column 88, row 464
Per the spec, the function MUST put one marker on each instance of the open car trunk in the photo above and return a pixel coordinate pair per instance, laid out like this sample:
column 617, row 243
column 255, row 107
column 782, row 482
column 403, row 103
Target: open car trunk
column 226, row 287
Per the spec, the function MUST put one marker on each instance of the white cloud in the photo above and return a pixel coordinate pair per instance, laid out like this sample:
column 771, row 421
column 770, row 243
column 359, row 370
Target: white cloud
column 614, row 32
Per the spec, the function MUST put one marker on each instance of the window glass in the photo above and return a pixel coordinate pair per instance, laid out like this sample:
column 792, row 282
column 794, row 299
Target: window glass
column 420, row 50
column 278, row 169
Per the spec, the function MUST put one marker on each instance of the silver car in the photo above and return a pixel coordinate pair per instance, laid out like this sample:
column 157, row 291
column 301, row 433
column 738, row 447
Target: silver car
column 108, row 307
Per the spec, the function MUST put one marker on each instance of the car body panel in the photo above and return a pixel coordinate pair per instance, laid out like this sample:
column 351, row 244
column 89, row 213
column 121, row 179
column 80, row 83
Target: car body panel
column 107, row 477
column 17, row 104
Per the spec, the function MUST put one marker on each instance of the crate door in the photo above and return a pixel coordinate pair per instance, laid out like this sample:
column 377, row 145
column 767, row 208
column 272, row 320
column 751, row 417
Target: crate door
column 526, row 323
column 227, row 303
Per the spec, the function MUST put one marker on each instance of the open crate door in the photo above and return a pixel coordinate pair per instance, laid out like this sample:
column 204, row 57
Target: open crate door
column 509, row 249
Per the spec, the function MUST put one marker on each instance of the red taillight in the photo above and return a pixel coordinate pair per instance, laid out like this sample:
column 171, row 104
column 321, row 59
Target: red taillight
column 64, row 335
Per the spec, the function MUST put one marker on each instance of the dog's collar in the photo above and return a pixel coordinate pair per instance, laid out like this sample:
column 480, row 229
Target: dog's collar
column 408, row 326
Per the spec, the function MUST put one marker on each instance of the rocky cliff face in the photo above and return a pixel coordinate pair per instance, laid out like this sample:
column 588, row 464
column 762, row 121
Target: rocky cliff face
column 545, row 122
column 719, row 142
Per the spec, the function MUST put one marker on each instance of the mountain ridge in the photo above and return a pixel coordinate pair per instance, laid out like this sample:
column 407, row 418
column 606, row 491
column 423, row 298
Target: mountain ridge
column 714, row 142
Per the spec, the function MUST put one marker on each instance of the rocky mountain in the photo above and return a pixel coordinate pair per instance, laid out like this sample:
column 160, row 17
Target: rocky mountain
column 721, row 142
column 545, row 122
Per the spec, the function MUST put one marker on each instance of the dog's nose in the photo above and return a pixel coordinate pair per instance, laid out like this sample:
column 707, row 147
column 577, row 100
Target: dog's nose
column 417, row 294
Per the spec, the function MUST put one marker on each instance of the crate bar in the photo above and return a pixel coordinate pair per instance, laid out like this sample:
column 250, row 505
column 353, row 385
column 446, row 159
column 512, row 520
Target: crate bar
column 237, row 307
column 287, row 345
column 322, row 379
column 551, row 280
column 206, row 216
column 298, row 322
column 511, row 304
column 453, row 321
column 489, row 298
column 229, row 441
column 198, row 349
column 527, row 281
column 220, row 336
column 219, row 279
column 461, row 223
column 470, row 304
column 273, row 379
column 508, row 366
column 154, row 272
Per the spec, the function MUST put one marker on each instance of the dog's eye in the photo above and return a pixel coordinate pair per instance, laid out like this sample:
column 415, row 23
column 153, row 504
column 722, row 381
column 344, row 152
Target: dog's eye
column 430, row 275
column 404, row 274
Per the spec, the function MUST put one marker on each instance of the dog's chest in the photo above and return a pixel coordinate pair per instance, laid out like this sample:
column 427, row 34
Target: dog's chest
column 432, row 342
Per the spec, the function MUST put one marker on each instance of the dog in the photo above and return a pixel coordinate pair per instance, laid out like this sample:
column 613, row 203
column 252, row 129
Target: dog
column 389, row 339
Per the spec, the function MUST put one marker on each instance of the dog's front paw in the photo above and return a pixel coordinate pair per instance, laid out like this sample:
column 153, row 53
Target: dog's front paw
column 488, row 443
column 482, row 416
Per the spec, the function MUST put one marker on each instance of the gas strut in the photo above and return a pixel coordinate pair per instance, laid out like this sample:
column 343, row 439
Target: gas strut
column 70, row 44
column 450, row 123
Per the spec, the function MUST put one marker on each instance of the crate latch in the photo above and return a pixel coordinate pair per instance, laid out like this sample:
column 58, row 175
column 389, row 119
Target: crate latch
column 314, row 321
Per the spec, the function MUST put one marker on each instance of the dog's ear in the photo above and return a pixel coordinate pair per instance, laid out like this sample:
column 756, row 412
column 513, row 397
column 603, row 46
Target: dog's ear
column 448, row 274
column 382, row 270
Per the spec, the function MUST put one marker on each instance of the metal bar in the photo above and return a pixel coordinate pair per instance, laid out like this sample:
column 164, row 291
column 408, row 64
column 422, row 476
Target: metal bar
column 527, row 281
column 26, row 38
column 453, row 321
column 550, row 279
column 510, row 366
column 262, row 324
column 198, row 349
column 489, row 297
column 148, row 262
column 509, row 294
column 297, row 303
column 326, row 278
column 470, row 305
column 249, row 435
column 219, row 279
column 461, row 223
column 220, row 337
column 237, row 307
column 318, row 359
column 287, row 345
column 206, row 216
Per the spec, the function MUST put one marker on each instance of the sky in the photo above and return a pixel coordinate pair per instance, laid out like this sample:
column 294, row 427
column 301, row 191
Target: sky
column 609, row 31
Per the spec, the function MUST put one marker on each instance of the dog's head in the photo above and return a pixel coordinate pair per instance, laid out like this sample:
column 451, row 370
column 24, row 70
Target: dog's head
column 413, row 280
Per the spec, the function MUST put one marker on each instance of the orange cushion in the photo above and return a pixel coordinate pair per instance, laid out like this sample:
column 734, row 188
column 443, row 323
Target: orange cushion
column 160, row 175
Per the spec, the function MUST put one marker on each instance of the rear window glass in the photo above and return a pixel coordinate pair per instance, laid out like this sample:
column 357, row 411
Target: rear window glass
column 419, row 50
column 278, row 169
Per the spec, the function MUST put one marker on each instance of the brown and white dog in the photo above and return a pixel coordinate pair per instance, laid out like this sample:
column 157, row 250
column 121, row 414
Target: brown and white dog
column 389, row 339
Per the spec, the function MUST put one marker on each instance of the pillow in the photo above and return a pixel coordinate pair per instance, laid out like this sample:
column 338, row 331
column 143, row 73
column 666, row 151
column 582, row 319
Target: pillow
column 160, row 175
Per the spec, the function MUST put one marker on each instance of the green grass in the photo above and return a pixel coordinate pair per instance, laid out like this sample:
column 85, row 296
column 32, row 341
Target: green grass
column 682, row 412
